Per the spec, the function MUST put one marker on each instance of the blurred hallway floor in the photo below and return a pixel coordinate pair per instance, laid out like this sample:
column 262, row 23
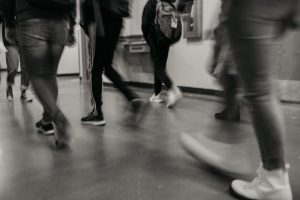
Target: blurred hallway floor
column 117, row 162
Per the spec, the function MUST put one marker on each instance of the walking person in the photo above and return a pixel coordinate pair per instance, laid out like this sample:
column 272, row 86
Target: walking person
column 223, row 68
column 256, row 28
column 43, row 32
column 159, row 52
column 13, row 59
column 108, row 16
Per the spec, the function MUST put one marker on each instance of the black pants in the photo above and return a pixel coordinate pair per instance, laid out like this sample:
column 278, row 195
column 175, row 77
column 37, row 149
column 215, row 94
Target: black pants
column 105, row 48
column 159, row 55
column 230, row 83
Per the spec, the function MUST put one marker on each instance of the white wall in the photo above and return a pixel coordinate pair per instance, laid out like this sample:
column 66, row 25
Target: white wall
column 132, row 25
column 188, row 61
column 70, row 60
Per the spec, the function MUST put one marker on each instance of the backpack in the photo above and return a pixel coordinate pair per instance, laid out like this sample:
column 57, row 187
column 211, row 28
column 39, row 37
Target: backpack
column 54, row 5
column 168, row 25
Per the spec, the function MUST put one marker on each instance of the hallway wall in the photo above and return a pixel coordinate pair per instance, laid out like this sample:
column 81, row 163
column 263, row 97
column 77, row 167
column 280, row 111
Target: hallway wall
column 187, row 63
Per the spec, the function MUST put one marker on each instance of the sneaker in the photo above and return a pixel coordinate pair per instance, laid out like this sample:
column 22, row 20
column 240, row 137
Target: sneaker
column 137, row 108
column 174, row 95
column 62, row 136
column 268, row 185
column 92, row 119
column 45, row 128
column 227, row 159
column 24, row 97
column 156, row 99
column 9, row 93
column 227, row 115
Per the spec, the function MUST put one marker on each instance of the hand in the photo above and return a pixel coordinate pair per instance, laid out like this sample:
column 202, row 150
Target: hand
column 71, row 39
column 10, row 35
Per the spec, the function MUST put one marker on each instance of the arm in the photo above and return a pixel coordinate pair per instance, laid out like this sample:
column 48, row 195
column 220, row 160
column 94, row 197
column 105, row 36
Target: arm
column 148, row 19
column 72, row 16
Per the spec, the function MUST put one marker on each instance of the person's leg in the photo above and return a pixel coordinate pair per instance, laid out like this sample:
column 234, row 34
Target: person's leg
column 232, row 105
column 25, row 80
column 95, row 117
column 154, row 54
column 174, row 94
column 41, row 55
column 109, row 42
column 159, row 56
column 113, row 28
column 254, row 27
column 97, row 82
column 157, row 82
column 157, row 76
column 12, row 62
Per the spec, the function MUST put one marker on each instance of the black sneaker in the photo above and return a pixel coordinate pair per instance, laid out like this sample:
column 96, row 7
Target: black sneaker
column 92, row 119
column 45, row 128
column 9, row 93
column 138, row 109
column 233, row 116
column 62, row 136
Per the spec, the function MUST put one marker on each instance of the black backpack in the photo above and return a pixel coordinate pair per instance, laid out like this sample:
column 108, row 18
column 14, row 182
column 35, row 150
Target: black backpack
column 54, row 5
column 168, row 25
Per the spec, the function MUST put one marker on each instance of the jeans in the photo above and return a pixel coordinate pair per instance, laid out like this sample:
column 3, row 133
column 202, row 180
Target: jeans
column 104, row 52
column 42, row 42
column 255, row 29
column 159, row 55
column 12, row 60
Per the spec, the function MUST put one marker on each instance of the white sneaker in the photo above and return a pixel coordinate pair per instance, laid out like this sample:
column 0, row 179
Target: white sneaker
column 227, row 159
column 269, row 185
column 174, row 95
column 156, row 99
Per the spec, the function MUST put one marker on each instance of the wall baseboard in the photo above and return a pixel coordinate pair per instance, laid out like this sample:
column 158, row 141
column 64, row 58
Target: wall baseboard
column 59, row 75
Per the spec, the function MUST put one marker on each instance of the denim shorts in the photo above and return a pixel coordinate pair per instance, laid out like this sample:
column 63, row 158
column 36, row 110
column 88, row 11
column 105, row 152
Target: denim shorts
column 53, row 31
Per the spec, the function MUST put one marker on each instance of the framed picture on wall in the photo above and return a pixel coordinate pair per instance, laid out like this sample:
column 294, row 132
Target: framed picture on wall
column 192, row 20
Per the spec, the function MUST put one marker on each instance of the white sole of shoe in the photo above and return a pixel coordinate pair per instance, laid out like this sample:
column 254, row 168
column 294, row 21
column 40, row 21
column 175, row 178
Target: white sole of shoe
column 237, row 195
column 156, row 101
column 51, row 132
column 27, row 100
column 171, row 105
column 98, row 123
column 202, row 149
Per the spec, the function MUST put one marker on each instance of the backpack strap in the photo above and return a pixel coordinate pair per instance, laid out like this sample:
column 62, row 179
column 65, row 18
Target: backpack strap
column 158, row 5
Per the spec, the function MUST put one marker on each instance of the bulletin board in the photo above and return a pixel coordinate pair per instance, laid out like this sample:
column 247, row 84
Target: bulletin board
column 192, row 20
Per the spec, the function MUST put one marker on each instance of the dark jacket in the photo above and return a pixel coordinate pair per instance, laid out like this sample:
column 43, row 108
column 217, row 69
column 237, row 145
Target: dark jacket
column 25, row 11
column 90, row 14
column 7, row 11
column 148, row 18
column 115, row 8
column 93, row 11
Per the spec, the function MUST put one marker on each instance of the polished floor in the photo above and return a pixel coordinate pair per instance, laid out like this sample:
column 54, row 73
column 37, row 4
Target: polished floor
column 118, row 162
